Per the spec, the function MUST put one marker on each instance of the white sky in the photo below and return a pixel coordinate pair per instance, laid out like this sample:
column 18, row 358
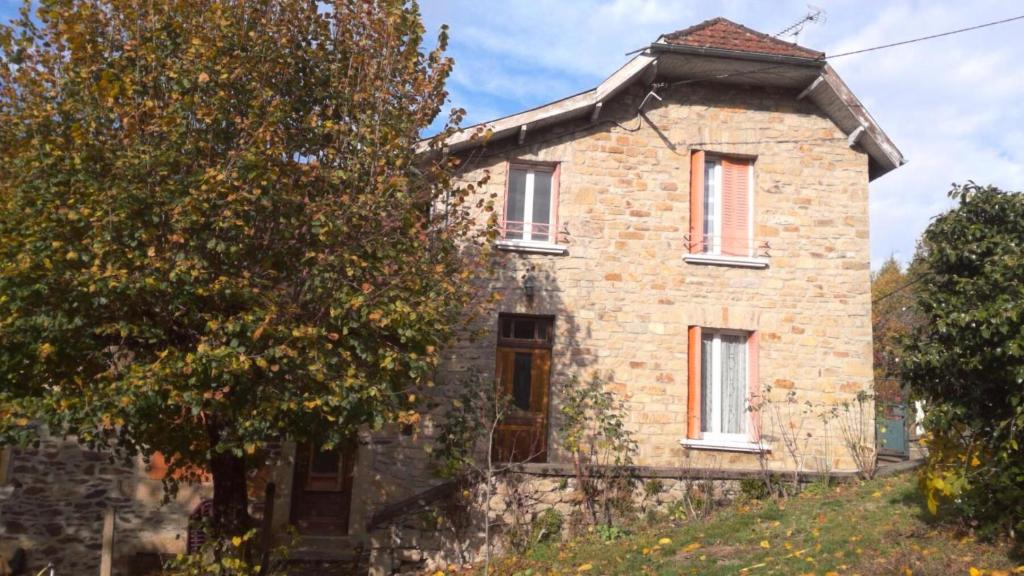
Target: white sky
column 954, row 105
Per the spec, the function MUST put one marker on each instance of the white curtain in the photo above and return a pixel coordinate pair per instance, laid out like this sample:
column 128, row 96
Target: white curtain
column 734, row 384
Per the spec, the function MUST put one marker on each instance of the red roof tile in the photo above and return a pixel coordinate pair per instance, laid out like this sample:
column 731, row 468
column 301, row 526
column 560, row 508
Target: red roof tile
column 727, row 35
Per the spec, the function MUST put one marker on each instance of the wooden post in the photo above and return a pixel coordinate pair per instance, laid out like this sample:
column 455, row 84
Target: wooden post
column 266, row 534
column 107, row 554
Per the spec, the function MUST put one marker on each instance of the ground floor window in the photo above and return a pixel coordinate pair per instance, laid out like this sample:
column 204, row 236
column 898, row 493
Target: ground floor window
column 723, row 385
column 523, row 374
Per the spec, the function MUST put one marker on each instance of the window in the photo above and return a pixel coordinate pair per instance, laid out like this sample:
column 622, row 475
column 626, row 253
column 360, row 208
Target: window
column 721, row 206
column 325, row 471
column 523, row 369
column 530, row 203
column 723, row 383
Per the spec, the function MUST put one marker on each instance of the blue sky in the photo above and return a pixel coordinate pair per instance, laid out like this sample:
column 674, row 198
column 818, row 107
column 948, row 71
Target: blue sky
column 953, row 105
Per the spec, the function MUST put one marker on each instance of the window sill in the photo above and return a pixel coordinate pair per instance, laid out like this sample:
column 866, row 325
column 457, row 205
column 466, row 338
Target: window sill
column 725, row 445
column 719, row 260
column 532, row 247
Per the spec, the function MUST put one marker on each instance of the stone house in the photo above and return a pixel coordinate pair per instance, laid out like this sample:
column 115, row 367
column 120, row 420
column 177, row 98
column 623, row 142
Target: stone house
column 694, row 229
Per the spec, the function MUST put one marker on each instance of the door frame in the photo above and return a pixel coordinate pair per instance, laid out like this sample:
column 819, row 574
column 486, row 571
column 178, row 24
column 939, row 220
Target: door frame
column 300, row 484
column 535, row 345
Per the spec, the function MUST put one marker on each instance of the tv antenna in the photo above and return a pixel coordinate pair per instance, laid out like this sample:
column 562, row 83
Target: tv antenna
column 814, row 14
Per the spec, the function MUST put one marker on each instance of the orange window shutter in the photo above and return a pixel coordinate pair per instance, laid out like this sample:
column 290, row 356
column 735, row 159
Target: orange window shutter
column 696, row 202
column 753, row 350
column 693, row 379
column 736, row 207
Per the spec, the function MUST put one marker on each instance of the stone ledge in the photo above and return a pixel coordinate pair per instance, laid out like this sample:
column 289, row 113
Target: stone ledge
column 532, row 247
column 734, row 261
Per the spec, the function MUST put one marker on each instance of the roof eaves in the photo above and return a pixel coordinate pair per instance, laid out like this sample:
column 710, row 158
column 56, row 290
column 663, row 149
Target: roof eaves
column 890, row 156
column 609, row 87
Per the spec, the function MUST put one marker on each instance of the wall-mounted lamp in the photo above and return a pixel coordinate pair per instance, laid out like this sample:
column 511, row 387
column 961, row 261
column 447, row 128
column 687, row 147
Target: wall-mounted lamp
column 529, row 285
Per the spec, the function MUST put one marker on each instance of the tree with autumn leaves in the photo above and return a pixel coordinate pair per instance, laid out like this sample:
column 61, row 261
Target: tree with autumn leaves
column 894, row 316
column 216, row 230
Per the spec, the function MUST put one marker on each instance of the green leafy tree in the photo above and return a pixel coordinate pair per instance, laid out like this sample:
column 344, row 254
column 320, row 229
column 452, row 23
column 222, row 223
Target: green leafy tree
column 966, row 360
column 216, row 229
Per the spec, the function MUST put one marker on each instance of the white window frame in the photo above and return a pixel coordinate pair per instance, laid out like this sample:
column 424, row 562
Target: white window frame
column 713, row 243
column 715, row 398
column 531, row 171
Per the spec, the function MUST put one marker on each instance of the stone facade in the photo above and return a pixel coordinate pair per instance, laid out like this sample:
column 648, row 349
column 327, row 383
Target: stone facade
column 623, row 297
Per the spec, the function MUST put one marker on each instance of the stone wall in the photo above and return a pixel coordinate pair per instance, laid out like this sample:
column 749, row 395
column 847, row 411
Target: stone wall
column 425, row 539
column 58, row 493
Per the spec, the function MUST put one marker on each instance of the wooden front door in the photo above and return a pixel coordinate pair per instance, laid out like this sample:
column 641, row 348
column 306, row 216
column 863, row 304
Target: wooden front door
column 524, row 377
column 322, row 489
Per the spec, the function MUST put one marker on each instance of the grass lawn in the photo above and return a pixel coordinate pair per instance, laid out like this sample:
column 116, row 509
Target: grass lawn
column 875, row 528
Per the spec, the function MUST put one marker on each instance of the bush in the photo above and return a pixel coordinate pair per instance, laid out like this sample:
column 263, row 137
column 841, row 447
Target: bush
column 966, row 360
column 593, row 429
column 547, row 526
column 234, row 557
column 609, row 533
column 754, row 489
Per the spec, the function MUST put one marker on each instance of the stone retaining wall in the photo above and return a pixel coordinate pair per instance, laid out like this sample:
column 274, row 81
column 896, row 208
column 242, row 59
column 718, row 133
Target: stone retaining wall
column 55, row 499
column 435, row 537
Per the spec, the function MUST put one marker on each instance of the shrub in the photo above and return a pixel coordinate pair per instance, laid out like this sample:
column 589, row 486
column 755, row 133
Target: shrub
column 593, row 429
column 547, row 526
column 754, row 489
column 966, row 360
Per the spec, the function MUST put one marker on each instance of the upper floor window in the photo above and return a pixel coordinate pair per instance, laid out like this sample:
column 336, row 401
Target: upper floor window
column 722, row 209
column 727, row 207
column 530, row 203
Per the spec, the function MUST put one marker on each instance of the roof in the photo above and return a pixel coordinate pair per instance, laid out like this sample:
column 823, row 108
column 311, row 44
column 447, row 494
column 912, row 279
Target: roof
column 722, row 34
column 716, row 50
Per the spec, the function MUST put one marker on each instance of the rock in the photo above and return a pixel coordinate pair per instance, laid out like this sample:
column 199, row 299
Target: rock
column 410, row 555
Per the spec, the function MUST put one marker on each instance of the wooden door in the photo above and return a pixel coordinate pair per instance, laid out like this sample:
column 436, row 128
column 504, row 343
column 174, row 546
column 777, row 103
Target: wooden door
column 524, row 376
column 322, row 489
